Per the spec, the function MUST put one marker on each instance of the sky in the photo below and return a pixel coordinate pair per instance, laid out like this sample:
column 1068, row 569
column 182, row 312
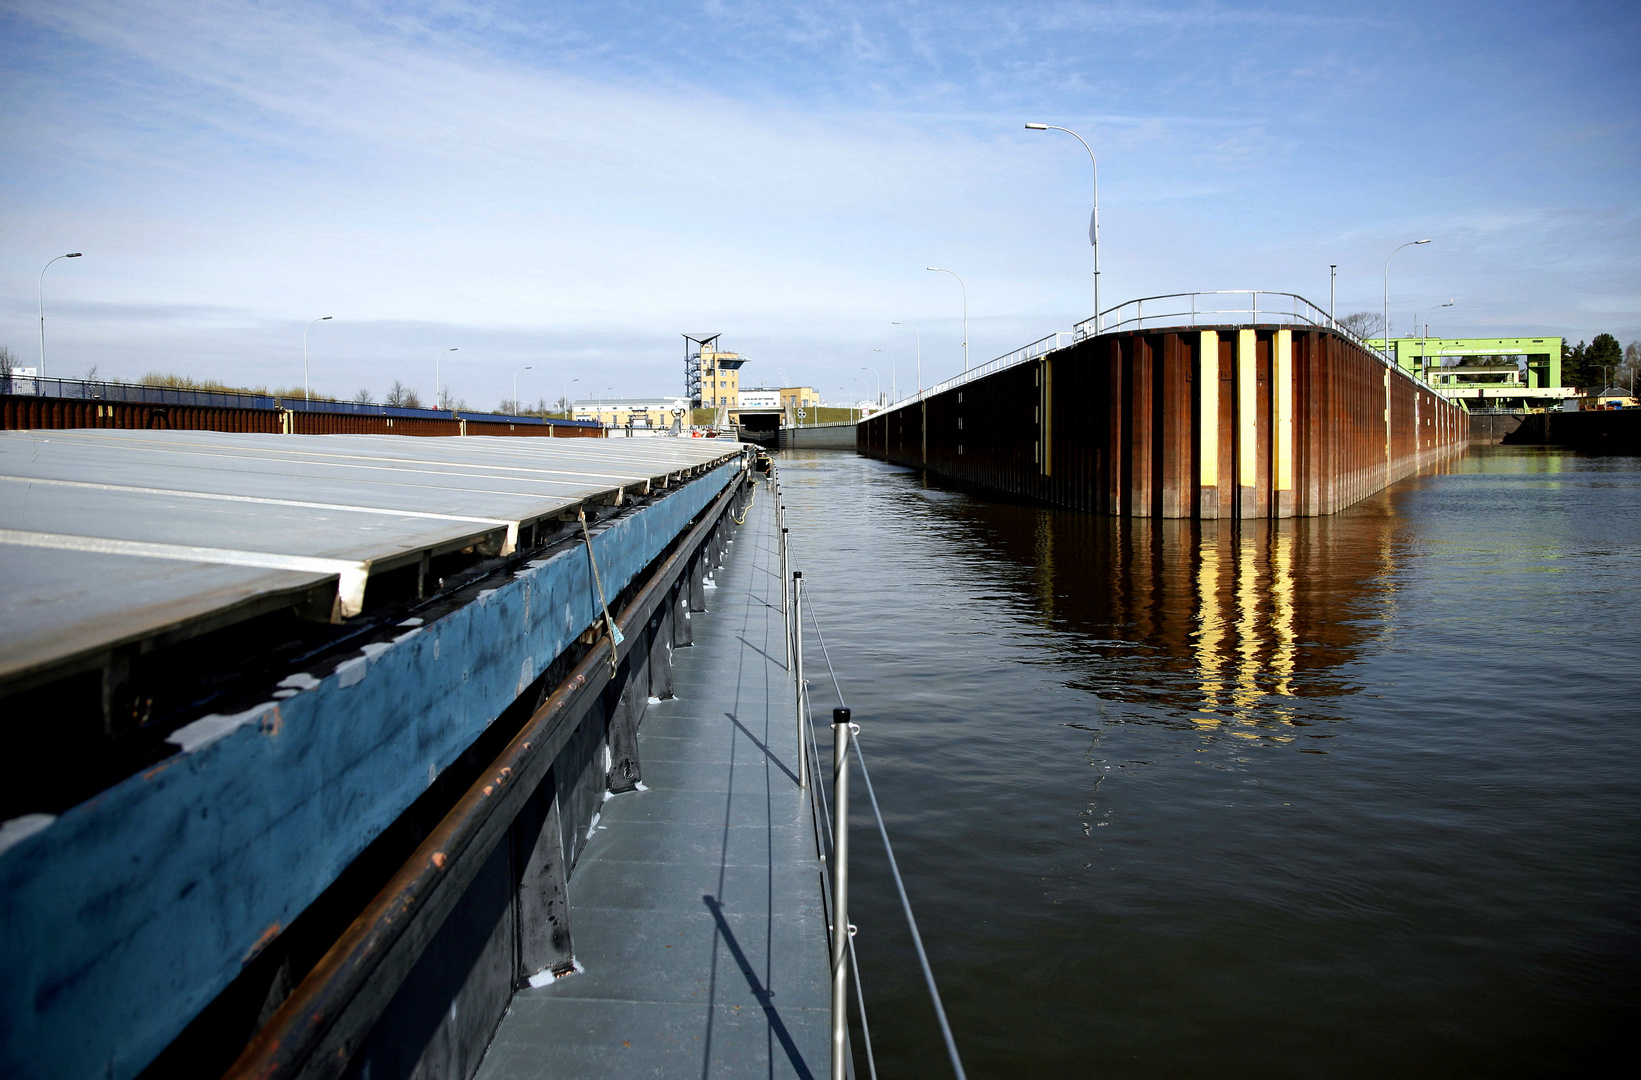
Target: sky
column 573, row 186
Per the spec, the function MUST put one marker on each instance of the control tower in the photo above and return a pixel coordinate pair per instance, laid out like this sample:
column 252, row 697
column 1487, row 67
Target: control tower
column 712, row 379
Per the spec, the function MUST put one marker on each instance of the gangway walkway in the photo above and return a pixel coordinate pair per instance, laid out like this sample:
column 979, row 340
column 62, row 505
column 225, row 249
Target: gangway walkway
column 697, row 902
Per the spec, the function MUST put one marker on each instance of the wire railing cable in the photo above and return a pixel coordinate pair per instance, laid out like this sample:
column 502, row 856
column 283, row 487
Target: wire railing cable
column 818, row 791
column 894, row 866
column 911, row 920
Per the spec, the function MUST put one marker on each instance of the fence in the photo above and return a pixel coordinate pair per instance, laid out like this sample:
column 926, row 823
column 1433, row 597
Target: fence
column 833, row 814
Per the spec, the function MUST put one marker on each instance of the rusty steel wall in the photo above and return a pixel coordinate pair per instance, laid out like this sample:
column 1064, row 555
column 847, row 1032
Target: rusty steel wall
column 1223, row 422
column 36, row 413
column 41, row 413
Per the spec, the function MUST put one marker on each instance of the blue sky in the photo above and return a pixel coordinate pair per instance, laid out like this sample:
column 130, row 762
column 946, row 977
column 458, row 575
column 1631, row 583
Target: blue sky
column 570, row 186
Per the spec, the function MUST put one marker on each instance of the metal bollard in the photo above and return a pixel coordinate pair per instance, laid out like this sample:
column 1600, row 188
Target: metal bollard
column 799, row 688
column 841, row 730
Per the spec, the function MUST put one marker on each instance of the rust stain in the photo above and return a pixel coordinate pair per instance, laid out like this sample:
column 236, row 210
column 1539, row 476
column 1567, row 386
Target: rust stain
column 271, row 721
column 488, row 788
column 438, row 859
column 162, row 766
column 262, row 942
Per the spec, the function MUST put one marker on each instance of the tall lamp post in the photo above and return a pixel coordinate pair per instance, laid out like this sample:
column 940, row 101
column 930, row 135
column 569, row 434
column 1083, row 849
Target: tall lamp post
column 879, row 378
column 1094, row 219
column 43, row 269
column 1424, row 342
column 436, row 385
column 1385, row 314
column 569, row 411
column 305, row 329
column 913, row 329
column 526, row 367
column 894, row 377
column 953, row 273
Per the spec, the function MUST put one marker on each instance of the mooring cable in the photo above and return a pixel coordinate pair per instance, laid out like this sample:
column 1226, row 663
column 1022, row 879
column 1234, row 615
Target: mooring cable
column 609, row 623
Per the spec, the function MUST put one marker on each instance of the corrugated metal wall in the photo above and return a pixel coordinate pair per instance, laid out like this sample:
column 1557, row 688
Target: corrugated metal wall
column 1224, row 422
column 42, row 413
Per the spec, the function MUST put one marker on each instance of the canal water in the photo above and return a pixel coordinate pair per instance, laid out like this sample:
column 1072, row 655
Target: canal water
column 1348, row 797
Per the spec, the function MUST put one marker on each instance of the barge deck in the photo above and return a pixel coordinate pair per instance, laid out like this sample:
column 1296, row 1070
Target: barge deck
column 697, row 900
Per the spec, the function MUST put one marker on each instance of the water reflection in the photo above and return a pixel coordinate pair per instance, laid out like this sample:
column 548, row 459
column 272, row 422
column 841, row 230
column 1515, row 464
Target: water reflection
column 1238, row 628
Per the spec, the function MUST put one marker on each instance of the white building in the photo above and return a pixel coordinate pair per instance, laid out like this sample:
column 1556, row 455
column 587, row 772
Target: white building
column 758, row 398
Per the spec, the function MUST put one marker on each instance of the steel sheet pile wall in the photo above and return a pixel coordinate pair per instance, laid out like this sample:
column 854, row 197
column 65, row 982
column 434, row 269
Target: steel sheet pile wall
column 42, row 414
column 25, row 413
column 1227, row 422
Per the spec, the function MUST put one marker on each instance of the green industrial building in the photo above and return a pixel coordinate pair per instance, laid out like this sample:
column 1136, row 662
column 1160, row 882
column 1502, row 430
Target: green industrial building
column 1508, row 384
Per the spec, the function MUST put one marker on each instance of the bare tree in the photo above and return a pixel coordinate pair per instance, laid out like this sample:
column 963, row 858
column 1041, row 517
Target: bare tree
column 362, row 397
column 1630, row 370
column 8, row 360
column 449, row 402
column 401, row 396
column 1364, row 324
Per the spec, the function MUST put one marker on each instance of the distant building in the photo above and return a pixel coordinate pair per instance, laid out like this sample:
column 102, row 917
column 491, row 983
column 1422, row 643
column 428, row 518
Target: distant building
column 650, row 413
column 1612, row 397
column 1532, row 382
column 799, row 397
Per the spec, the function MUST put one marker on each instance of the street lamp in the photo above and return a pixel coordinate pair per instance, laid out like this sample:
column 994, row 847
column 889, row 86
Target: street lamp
column 569, row 413
column 953, row 273
column 436, row 386
column 878, row 377
column 43, row 269
column 305, row 329
column 1385, row 313
column 1094, row 219
column 913, row 329
column 526, row 367
column 1424, row 339
column 894, row 377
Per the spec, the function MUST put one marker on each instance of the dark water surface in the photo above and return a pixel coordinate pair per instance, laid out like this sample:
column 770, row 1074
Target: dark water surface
column 1348, row 797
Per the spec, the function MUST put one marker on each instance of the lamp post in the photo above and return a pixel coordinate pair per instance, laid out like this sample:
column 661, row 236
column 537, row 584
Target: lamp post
column 1385, row 313
column 43, row 269
column 569, row 411
column 953, row 273
column 878, row 377
column 1333, row 287
column 913, row 329
column 436, row 385
column 1094, row 219
column 305, row 329
column 894, row 377
column 1424, row 342
column 526, row 367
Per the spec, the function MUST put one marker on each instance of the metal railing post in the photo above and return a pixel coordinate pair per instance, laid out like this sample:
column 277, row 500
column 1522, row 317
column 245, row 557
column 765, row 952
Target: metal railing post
column 799, row 687
column 841, row 730
column 786, row 608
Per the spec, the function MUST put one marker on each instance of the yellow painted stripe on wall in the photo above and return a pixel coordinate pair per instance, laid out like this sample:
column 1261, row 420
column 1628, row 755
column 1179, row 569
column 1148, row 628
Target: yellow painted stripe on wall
column 1048, row 417
column 1208, row 400
column 1284, row 410
column 1247, row 408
